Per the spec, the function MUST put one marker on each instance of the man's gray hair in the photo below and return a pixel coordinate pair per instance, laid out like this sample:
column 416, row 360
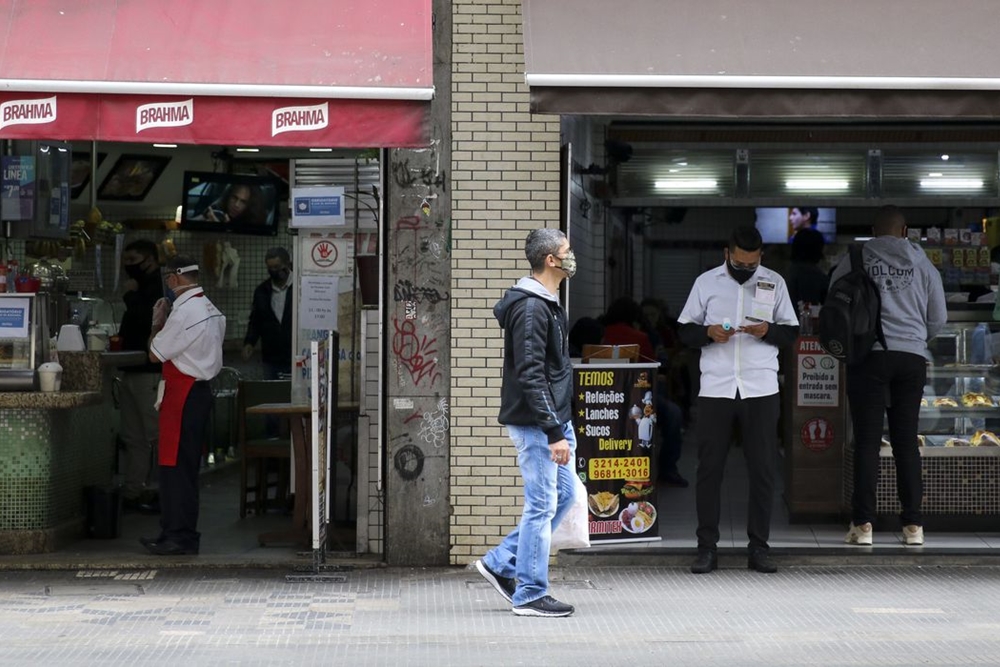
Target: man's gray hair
column 540, row 244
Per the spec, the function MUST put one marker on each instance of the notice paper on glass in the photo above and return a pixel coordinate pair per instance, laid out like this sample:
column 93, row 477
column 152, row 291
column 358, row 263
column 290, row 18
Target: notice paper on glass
column 318, row 302
column 15, row 317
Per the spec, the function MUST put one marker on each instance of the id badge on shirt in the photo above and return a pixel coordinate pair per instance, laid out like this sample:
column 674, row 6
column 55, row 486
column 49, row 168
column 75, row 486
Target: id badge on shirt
column 762, row 308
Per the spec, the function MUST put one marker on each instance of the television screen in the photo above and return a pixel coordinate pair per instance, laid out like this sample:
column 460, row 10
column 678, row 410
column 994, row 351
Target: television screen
column 230, row 203
column 778, row 225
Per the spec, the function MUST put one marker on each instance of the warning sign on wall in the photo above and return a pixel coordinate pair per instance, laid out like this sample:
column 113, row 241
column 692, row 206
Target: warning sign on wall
column 817, row 434
column 817, row 376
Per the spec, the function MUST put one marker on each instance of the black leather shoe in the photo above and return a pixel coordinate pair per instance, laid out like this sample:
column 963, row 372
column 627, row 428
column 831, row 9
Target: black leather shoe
column 706, row 561
column 167, row 548
column 760, row 561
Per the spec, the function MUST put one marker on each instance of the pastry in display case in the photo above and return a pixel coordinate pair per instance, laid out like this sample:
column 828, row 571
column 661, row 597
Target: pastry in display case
column 959, row 408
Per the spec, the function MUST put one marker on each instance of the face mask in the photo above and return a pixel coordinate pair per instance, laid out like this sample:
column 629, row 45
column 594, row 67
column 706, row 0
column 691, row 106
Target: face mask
column 279, row 275
column 740, row 275
column 569, row 264
column 134, row 271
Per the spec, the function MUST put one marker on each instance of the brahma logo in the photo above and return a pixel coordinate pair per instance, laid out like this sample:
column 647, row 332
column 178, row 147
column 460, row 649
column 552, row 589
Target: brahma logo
column 27, row 112
column 164, row 114
column 297, row 119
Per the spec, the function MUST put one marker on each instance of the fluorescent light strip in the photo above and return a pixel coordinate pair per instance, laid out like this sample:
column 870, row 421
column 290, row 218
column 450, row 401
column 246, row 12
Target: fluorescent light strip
column 164, row 145
column 247, row 150
column 817, row 185
column 686, row 184
column 951, row 184
column 320, row 150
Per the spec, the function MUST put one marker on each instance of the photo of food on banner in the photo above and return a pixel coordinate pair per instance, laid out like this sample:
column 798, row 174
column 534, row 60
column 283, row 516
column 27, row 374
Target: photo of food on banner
column 617, row 449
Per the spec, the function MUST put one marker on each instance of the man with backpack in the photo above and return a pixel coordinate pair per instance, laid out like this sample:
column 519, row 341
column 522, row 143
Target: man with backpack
column 886, row 375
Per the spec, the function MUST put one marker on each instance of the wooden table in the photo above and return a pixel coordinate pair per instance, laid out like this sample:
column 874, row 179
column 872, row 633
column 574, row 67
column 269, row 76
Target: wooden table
column 300, row 427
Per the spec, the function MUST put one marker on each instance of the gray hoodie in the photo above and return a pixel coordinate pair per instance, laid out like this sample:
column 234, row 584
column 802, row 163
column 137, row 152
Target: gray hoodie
column 913, row 304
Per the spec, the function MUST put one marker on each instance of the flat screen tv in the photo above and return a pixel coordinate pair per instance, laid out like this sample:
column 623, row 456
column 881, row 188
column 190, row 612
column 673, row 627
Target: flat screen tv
column 779, row 224
column 235, row 203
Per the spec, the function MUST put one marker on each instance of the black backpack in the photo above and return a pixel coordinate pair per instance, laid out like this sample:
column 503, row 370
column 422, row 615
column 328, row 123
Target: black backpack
column 851, row 318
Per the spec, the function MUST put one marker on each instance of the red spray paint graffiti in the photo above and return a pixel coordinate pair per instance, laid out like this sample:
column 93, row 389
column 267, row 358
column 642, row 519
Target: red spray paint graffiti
column 417, row 354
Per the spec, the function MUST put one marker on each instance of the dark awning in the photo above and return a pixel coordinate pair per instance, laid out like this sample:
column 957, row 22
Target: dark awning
column 313, row 72
column 730, row 59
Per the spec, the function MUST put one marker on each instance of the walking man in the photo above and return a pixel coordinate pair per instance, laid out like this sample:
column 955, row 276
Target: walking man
column 891, row 382
column 188, row 331
column 535, row 406
column 739, row 314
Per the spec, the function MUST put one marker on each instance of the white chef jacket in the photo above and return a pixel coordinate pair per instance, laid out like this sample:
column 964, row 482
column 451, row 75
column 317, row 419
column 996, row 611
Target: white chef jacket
column 192, row 336
column 745, row 363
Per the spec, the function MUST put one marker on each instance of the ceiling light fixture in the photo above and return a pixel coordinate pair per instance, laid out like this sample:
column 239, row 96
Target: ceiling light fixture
column 951, row 184
column 935, row 174
column 675, row 184
column 320, row 150
column 247, row 150
column 164, row 145
column 945, row 157
column 817, row 184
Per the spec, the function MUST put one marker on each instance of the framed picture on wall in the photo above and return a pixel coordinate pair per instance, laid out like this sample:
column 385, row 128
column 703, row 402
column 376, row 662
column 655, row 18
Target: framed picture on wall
column 132, row 177
column 79, row 172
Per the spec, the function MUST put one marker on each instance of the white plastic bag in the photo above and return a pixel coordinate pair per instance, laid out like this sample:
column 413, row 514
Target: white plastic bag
column 574, row 530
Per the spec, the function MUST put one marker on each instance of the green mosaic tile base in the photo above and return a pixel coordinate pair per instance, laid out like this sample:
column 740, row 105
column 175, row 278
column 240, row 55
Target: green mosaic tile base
column 47, row 457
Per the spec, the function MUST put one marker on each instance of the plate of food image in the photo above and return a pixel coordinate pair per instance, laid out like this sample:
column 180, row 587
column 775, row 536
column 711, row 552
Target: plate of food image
column 638, row 517
column 603, row 503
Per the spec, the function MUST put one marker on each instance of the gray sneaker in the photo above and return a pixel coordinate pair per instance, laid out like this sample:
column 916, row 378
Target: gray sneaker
column 545, row 606
column 504, row 585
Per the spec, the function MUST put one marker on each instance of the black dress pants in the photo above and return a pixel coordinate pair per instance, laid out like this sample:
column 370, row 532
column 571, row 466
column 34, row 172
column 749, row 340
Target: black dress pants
column 758, row 420
column 887, row 383
column 179, row 483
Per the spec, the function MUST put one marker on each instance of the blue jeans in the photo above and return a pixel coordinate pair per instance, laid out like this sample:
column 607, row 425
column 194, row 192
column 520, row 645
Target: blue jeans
column 548, row 494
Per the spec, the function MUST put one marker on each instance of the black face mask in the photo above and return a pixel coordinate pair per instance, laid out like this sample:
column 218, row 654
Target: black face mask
column 134, row 271
column 279, row 275
column 740, row 275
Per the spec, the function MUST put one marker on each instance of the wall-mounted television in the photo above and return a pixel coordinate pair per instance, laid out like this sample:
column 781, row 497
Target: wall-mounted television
column 236, row 203
column 779, row 224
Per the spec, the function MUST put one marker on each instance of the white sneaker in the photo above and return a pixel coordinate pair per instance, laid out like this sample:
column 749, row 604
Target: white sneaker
column 913, row 535
column 861, row 535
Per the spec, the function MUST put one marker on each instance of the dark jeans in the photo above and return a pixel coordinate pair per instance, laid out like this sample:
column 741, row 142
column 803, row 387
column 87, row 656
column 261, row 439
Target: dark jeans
column 887, row 383
column 758, row 420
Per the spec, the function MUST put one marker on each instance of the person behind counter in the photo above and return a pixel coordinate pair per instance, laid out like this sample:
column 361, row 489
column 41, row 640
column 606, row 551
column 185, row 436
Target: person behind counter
column 139, row 421
column 271, row 317
column 187, row 336
column 807, row 283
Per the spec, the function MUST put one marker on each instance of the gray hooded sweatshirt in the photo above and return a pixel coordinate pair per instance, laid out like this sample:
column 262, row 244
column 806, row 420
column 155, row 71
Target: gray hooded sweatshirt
column 913, row 303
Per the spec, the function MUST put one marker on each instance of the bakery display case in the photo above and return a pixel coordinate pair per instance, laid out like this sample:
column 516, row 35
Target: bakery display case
column 959, row 427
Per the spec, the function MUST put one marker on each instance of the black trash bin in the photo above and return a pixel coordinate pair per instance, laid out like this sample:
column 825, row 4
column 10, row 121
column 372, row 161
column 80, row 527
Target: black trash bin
column 104, row 512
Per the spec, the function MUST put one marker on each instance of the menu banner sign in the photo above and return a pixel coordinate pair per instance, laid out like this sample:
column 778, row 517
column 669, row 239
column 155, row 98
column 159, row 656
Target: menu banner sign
column 617, row 448
column 17, row 189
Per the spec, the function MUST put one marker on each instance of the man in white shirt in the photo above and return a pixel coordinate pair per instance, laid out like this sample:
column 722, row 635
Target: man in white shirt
column 739, row 314
column 187, row 336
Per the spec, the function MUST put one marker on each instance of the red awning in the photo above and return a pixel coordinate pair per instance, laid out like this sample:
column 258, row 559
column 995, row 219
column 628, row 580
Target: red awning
column 352, row 73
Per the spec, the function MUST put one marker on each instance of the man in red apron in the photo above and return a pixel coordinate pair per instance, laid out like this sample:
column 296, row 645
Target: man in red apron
column 188, row 331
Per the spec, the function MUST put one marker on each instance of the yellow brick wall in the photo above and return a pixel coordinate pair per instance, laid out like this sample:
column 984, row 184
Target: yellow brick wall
column 505, row 182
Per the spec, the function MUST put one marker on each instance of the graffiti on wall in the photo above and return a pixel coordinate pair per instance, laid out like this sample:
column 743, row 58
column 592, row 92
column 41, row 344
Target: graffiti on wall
column 420, row 273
